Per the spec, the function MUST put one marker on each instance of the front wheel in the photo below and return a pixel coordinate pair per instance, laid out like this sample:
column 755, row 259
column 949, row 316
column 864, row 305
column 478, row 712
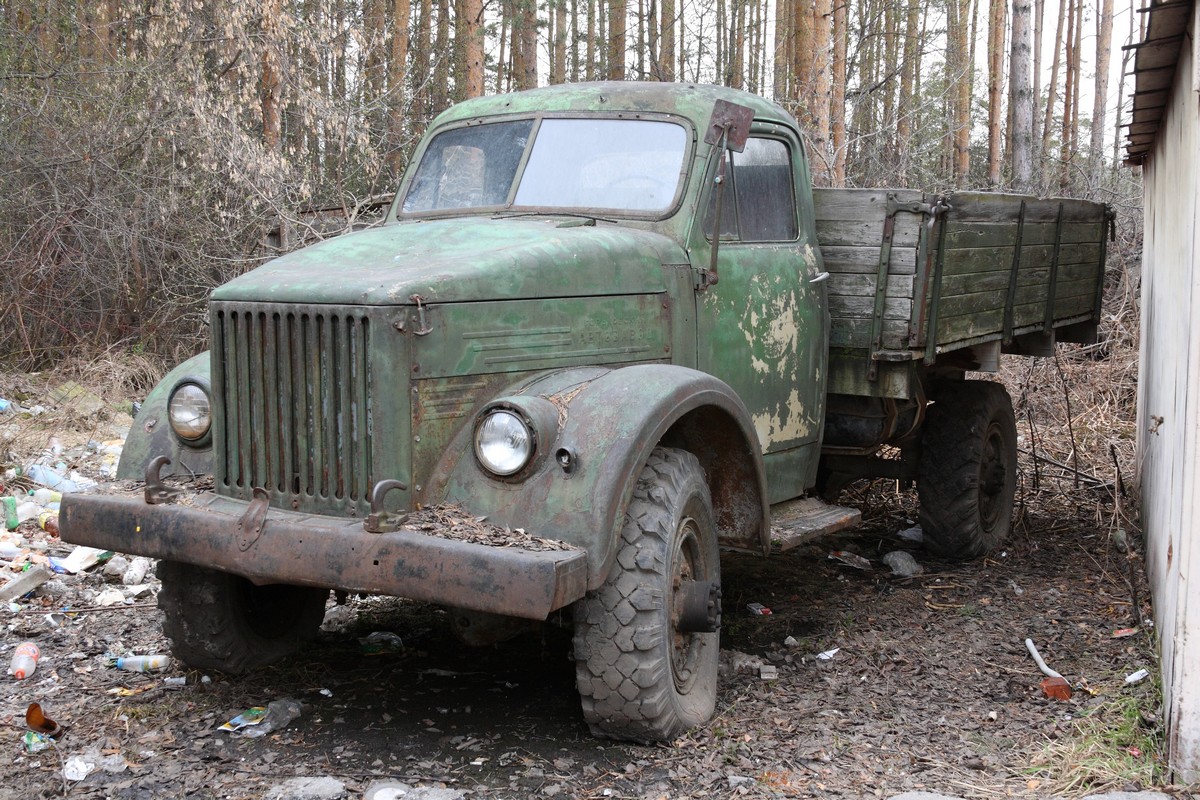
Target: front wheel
column 220, row 621
column 641, row 677
column 968, row 472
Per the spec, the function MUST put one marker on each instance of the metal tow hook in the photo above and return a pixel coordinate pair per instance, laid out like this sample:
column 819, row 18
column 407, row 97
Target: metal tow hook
column 252, row 521
column 156, row 492
column 380, row 520
column 699, row 607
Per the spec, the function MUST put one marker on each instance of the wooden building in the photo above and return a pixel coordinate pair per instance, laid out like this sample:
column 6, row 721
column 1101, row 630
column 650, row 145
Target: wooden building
column 1164, row 138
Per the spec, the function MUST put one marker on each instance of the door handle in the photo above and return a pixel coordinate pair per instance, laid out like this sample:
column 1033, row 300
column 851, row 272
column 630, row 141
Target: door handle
column 820, row 276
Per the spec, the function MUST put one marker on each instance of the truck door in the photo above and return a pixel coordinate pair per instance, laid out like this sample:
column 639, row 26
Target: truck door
column 762, row 328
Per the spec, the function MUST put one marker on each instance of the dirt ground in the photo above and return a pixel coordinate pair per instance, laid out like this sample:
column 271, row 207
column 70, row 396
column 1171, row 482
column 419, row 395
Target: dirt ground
column 927, row 684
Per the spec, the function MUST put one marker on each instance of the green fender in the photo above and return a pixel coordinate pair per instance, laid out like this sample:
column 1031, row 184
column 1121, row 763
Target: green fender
column 151, row 433
column 595, row 429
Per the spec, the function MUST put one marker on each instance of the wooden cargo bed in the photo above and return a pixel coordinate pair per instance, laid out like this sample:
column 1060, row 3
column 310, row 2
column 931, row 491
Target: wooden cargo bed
column 916, row 276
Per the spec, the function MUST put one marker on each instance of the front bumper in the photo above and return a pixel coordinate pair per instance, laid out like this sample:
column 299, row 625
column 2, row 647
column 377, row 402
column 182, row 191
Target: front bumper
column 330, row 552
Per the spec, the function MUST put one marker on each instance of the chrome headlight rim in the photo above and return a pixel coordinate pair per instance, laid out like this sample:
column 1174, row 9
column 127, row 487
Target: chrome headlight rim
column 201, row 438
column 485, row 453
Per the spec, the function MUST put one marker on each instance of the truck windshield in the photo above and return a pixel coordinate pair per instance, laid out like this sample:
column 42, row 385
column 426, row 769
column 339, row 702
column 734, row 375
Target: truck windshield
column 610, row 165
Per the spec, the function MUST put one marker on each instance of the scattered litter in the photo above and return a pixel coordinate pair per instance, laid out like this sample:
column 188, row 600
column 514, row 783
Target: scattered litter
column 828, row 654
column 24, row 583
column 791, row 642
column 850, row 559
column 380, row 642
column 903, row 564
column 1137, row 677
column 110, row 597
column 338, row 619
column 36, row 742
column 1017, row 590
column 913, row 534
column 394, row 790
column 279, row 713
column 1124, row 633
column 114, row 568
column 734, row 661
column 82, row 558
column 77, row 768
column 758, row 609
column 136, row 573
column 326, row 693
column 38, row 722
column 1055, row 686
column 56, row 619
column 179, row 681
column 154, row 663
column 24, row 660
column 768, row 672
column 304, row 788
column 251, row 716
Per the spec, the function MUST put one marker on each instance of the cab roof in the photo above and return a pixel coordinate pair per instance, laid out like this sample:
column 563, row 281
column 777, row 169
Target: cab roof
column 693, row 101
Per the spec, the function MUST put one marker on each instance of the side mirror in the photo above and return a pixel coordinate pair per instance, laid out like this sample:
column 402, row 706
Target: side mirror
column 731, row 121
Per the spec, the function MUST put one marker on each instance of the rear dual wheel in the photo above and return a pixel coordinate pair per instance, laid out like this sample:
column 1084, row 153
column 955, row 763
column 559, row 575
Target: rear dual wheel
column 968, row 471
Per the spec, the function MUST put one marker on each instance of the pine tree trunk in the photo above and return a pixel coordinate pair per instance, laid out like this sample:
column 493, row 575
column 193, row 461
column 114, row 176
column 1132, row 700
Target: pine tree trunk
column 837, row 103
column 560, row 41
column 996, row 26
column 397, row 70
column 666, row 43
column 271, row 88
column 616, row 40
column 472, row 29
column 1051, row 90
column 1066, row 145
column 1022, row 99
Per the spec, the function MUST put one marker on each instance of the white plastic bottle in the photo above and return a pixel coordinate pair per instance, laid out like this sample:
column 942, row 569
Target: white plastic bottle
column 24, row 660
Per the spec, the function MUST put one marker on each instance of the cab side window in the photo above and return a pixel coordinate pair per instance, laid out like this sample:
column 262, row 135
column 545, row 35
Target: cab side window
column 760, row 201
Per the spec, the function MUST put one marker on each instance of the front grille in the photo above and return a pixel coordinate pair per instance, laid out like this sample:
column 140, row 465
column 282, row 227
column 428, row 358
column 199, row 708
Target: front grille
column 292, row 385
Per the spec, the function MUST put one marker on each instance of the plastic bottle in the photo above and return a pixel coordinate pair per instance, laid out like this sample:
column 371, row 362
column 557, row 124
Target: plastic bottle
column 48, row 521
column 10, row 513
column 24, row 660
column 143, row 663
column 27, row 510
column 44, row 496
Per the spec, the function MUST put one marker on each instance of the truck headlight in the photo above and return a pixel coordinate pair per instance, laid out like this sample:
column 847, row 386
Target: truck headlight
column 190, row 412
column 504, row 444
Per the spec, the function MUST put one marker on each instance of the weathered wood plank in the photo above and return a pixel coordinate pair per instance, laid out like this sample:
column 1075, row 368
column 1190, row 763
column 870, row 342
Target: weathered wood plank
column 860, row 233
column 984, row 260
column 1003, row 234
column 864, row 307
column 856, row 332
column 859, row 204
column 982, row 301
column 863, row 285
column 985, row 207
column 840, row 258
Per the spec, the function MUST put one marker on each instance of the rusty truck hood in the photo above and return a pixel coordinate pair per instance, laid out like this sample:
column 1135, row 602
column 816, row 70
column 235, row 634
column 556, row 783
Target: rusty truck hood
column 463, row 260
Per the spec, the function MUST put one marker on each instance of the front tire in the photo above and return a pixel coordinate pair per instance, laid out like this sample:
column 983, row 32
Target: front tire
column 639, row 677
column 220, row 621
column 968, row 471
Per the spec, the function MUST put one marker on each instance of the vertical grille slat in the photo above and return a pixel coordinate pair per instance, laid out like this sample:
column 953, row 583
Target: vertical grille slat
column 294, row 389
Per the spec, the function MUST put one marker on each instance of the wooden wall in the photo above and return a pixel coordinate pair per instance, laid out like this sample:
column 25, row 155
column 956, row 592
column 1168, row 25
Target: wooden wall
column 1169, row 388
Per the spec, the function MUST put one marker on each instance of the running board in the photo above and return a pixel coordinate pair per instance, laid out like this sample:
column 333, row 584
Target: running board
column 798, row 521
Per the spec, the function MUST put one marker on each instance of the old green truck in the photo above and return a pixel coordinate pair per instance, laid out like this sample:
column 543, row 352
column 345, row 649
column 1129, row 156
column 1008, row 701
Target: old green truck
column 605, row 332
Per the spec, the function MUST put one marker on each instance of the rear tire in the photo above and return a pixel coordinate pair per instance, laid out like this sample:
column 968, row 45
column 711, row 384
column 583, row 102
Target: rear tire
column 639, row 678
column 968, row 472
column 220, row 621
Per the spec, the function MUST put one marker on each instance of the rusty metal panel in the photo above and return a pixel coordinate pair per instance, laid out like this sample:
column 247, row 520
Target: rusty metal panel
column 294, row 405
column 331, row 552
column 522, row 335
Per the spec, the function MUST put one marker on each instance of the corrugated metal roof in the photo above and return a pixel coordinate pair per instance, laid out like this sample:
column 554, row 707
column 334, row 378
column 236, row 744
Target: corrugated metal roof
column 1154, row 68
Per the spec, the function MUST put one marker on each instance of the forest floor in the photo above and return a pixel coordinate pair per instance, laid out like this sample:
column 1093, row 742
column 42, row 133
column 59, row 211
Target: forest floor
column 926, row 683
